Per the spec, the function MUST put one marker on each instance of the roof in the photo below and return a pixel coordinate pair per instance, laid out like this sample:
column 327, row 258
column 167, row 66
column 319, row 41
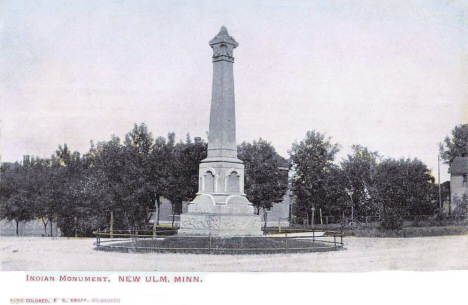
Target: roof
column 283, row 163
column 459, row 166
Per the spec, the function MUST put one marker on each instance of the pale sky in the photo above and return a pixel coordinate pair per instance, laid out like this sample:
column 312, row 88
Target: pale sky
column 389, row 75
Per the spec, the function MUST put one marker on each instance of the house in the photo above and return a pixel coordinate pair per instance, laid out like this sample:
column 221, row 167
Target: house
column 278, row 215
column 458, row 184
column 445, row 194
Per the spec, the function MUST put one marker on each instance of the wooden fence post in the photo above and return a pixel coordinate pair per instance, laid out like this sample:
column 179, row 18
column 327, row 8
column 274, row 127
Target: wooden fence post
column 286, row 241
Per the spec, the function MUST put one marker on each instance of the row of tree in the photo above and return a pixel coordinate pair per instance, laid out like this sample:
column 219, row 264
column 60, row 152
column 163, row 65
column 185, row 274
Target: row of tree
column 363, row 184
column 366, row 183
column 125, row 180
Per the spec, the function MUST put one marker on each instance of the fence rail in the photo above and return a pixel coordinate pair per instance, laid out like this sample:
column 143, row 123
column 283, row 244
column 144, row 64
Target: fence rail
column 370, row 220
column 287, row 241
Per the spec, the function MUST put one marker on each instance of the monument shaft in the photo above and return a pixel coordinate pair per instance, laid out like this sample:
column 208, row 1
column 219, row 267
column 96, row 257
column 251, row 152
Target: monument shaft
column 222, row 132
column 221, row 207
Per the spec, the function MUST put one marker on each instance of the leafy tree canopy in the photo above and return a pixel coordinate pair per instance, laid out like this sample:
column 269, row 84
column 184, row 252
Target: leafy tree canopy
column 266, row 173
column 313, row 171
column 403, row 187
column 456, row 145
column 359, row 170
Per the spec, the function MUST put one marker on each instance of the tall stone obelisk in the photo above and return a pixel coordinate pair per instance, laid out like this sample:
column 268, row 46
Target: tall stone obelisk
column 220, row 207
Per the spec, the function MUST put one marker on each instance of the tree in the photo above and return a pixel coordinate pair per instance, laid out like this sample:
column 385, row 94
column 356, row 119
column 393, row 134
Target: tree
column 109, row 167
column 182, row 182
column 359, row 171
column 139, row 177
column 8, row 185
column 403, row 188
column 266, row 173
column 313, row 171
column 456, row 146
column 40, row 205
column 66, row 193
column 161, row 168
column 19, row 187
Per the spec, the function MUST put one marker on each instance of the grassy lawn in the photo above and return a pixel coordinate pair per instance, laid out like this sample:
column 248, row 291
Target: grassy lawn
column 408, row 231
column 374, row 230
column 231, row 245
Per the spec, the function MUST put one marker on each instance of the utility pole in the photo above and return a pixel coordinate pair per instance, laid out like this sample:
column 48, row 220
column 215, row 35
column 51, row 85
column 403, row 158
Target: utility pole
column 440, row 191
column 0, row 151
column 111, row 230
column 313, row 216
column 350, row 193
column 76, row 233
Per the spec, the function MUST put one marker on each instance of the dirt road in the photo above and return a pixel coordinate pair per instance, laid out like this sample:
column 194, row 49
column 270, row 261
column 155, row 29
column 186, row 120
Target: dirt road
column 361, row 254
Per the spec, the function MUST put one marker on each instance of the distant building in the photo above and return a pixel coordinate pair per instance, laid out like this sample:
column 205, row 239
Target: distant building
column 445, row 194
column 458, row 182
column 165, row 214
column 278, row 214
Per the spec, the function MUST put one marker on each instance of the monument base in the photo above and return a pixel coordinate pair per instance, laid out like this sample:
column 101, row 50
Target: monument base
column 222, row 225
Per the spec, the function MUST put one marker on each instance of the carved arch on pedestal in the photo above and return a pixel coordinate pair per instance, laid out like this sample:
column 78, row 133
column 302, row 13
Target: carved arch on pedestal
column 233, row 181
column 209, row 181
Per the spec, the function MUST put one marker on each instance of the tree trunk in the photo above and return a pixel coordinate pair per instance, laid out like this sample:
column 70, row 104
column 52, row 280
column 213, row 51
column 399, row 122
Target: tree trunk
column 158, row 206
column 126, row 220
column 111, row 226
column 173, row 209
column 173, row 216
column 51, row 232
column 45, row 226
column 17, row 231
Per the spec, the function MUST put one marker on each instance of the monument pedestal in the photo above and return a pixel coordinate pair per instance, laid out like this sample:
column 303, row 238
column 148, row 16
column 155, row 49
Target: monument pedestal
column 221, row 207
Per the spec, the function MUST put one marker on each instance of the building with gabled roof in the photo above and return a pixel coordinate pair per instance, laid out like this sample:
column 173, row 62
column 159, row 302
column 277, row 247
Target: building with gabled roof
column 458, row 182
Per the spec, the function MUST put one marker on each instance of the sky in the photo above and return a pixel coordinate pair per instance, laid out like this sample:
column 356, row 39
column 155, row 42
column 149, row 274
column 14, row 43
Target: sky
column 389, row 75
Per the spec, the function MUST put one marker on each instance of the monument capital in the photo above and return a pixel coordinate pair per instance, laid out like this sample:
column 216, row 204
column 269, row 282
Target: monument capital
column 223, row 45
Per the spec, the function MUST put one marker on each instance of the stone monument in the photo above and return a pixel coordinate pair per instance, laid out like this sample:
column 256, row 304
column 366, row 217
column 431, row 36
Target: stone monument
column 220, row 207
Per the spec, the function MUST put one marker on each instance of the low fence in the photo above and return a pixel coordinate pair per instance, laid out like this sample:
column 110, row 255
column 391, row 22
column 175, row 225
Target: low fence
column 290, row 240
column 330, row 220
column 333, row 221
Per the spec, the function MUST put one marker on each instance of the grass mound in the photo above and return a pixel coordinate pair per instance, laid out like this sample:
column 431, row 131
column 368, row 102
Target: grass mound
column 221, row 245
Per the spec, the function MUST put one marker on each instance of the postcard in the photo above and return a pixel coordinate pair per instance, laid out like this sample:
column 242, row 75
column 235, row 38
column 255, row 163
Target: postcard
column 198, row 152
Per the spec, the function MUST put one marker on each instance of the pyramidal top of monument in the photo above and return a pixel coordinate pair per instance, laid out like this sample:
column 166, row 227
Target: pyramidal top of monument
column 223, row 37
